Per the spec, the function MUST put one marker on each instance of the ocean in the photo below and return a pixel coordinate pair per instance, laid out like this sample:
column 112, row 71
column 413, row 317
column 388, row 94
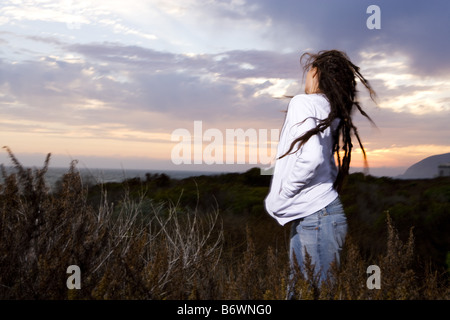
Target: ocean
column 99, row 176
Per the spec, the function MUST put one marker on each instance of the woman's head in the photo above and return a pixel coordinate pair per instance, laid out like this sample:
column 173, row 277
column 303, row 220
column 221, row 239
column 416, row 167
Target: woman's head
column 312, row 81
column 334, row 75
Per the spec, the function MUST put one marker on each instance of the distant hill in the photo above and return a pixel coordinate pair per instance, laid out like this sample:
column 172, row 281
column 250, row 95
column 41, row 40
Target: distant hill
column 426, row 168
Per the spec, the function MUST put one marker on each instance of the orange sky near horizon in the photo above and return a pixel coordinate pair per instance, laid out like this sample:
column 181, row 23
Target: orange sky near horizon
column 109, row 82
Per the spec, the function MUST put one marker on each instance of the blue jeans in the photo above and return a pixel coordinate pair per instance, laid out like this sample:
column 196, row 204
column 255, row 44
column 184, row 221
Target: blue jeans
column 322, row 235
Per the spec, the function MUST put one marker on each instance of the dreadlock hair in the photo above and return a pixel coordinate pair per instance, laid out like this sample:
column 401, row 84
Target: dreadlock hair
column 337, row 80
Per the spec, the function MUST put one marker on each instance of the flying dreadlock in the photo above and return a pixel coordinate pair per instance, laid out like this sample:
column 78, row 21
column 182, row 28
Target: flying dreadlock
column 337, row 80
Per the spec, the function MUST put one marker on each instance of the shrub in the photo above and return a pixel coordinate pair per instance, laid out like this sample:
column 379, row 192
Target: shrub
column 140, row 248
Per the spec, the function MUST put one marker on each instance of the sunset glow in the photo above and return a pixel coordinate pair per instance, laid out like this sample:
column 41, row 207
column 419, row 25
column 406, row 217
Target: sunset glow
column 108, row 82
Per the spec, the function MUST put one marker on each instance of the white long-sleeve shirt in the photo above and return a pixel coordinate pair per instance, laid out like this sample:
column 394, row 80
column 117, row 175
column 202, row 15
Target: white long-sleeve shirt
column 302, row 182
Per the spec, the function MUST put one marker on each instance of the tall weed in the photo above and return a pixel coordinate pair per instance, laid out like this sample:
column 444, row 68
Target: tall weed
column 138, row 248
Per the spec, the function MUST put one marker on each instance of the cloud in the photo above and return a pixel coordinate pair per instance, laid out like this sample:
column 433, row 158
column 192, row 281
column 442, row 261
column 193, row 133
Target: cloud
column 144, row 89
column 205, row 85
column 415, row 29
column 137, row 72
column 104, row 79
column 402, row 128
column 64, row 11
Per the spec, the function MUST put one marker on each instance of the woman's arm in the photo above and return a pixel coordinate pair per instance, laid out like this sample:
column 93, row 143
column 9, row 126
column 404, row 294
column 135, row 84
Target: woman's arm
column 308, row 158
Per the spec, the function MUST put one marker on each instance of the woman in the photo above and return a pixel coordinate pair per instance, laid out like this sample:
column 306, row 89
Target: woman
column 306, row 180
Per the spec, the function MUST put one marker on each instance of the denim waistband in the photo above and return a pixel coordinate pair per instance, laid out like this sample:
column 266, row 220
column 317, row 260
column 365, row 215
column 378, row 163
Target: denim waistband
column 335, row 207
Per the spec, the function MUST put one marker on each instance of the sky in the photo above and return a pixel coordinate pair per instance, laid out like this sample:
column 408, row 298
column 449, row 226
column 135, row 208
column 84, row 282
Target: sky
column 109, row 83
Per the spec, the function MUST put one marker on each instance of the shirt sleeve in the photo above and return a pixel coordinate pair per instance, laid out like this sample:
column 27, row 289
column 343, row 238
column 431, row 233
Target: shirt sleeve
column 309, row 157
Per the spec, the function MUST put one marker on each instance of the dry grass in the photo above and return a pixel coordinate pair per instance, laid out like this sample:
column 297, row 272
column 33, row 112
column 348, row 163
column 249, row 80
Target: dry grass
column 139, row 249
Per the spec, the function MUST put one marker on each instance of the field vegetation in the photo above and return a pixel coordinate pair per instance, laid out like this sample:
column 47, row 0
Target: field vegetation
column 209, row 237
